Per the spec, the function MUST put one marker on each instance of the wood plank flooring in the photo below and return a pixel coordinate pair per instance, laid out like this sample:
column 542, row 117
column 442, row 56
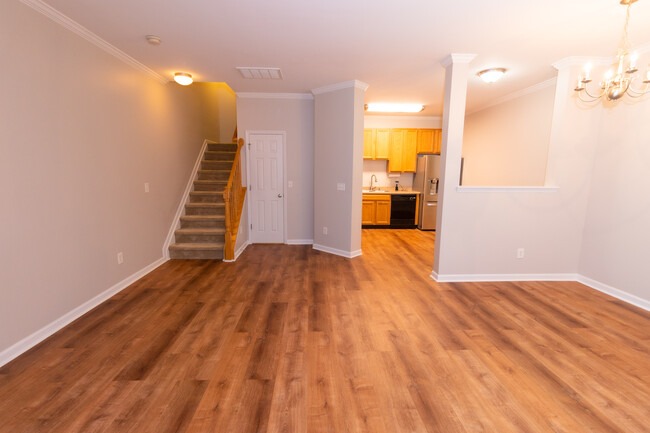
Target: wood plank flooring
column 288, row 339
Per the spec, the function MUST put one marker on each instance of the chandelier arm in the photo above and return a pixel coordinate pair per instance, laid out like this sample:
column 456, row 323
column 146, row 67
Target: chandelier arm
column 634, row 93
column 595, row 97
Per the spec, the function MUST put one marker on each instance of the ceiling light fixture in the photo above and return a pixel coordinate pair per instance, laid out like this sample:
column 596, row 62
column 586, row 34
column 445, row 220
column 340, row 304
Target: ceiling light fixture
column 491, row 75
column 394, row 108
column 183, row 78
column 615, row 85
column 153, row 40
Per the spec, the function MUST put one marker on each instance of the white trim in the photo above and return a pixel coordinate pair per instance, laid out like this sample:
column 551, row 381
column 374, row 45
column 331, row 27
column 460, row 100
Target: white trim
column 239, row 251
column 347, row 254
column 582, row 60
column 255, row 95
column 457, row 58
column 32, row 340
column 300, row 241
column 593, row 284
column 518, row 94
column 616, row 293
column 91, row 37
column 176, row 222
column 507, row 189
column 472, row 278
column 284, row 180
column 340, row 86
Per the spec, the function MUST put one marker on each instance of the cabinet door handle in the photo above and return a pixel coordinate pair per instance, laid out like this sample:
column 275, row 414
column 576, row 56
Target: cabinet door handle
column 279, row 195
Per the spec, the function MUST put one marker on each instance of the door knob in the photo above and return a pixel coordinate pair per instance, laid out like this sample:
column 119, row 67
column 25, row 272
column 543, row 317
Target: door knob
column 279, row 195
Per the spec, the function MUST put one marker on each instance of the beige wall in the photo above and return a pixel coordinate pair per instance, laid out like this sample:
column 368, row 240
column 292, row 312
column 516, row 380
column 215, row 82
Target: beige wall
column 338, row 156
column 507, row 144
column 617, row 228
column 218, row 110
column 296, row 117
column 81, row 134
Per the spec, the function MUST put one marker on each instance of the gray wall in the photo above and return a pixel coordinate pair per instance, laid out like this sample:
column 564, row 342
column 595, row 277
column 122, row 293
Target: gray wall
column 81, row 134
column 296, row 117
column 338, row 156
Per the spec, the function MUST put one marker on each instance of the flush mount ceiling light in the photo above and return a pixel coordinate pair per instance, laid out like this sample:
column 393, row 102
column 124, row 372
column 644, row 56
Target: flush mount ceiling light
column 615, row 85
column 183, row 78
column 153, row 40
column 491, row 75
column 260, row 73
column 393, row 108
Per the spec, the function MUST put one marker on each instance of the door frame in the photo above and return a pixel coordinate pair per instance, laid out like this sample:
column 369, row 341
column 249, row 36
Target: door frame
column 284, row 178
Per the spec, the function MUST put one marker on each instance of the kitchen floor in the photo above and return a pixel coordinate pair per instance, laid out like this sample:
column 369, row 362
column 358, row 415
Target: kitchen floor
column 401, row 246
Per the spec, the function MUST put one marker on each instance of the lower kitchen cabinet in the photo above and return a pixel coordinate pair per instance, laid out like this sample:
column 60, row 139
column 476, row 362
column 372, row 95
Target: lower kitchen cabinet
column 375, row 209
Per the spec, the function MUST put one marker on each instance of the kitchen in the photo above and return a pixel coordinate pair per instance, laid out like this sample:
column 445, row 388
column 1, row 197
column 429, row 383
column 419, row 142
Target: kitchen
column 400, row 173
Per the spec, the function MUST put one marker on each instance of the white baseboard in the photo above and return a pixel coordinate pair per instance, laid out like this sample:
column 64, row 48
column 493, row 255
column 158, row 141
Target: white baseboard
column 238, row 252
column 616, row 293
column 596, row 285
column 300, row 241
column 28, row 342
column 347, row 254
column 461, row 278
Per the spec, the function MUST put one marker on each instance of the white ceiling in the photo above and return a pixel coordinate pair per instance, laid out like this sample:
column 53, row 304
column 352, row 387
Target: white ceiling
column 394, row 46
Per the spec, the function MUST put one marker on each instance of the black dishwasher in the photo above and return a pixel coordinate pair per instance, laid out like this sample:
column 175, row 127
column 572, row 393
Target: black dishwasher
column 402, row 211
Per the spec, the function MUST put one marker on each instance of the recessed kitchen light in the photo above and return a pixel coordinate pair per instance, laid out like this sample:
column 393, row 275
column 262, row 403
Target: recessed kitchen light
column 260, row 73
column 393, row 108
column 491, row 75
column 183, row 78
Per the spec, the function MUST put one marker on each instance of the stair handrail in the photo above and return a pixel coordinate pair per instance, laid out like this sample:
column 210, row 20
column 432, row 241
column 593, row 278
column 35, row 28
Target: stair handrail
column 233, row 197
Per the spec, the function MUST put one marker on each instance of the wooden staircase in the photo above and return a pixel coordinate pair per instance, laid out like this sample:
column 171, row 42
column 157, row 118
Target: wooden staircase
column 206, row 230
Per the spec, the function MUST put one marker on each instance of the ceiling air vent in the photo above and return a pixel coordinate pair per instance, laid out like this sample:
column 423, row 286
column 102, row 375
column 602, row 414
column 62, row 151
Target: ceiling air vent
column 260, row 73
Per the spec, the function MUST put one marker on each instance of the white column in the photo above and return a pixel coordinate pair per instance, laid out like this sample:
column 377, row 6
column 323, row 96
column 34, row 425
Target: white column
column 453, row 122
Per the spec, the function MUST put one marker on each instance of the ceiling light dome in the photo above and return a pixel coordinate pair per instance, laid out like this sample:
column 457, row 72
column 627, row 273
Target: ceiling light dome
column 491, row 75
column 183, row 78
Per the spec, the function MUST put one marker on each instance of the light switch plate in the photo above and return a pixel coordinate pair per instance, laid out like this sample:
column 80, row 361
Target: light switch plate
column 146, row 187
column 340, row 186
column 290, row 184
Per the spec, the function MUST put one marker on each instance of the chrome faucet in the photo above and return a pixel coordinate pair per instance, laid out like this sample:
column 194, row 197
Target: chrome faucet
column 372, row 188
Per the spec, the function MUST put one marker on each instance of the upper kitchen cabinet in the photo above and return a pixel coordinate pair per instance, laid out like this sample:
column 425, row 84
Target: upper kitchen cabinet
column 429, row 140
column 402, row 151
column 375, row 143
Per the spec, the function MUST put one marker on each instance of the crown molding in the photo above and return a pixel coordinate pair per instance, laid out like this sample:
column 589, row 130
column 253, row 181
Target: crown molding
column 457, row 58
column 518, row 94
column 91, row 37
column 356, row 84
column 256, row 95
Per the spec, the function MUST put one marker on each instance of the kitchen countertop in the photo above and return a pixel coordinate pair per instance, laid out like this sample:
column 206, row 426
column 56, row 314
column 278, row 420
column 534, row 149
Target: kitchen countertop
column 392, row 192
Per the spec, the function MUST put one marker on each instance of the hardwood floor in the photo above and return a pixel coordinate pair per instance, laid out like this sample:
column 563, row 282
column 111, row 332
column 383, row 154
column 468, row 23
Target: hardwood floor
column 289, row 339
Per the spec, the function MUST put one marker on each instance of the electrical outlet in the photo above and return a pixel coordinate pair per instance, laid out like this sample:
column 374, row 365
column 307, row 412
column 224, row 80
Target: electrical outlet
column 324, row 230
column 290, row 184
column 120, row 258
column 340, row 186
column 146, row 187
column 520, row 253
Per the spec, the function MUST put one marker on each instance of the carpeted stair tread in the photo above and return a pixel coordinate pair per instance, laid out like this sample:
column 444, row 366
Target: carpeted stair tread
column 201, row 231
column 203, row 217
column 198, row 246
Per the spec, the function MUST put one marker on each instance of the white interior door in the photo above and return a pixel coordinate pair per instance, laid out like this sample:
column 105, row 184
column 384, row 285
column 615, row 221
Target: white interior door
column 266, row 174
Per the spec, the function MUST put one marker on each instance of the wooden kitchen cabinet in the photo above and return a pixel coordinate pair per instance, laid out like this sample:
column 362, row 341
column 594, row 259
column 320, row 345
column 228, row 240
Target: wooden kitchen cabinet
column 375, row 143
column 375, row 209
column 402, row 152
column 429, row 140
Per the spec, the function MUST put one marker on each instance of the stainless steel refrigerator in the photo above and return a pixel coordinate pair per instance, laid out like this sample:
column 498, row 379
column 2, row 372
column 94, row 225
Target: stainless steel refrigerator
column 427, row 181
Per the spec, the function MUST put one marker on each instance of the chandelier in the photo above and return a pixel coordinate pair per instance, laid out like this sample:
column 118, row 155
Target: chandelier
column 615, row 85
